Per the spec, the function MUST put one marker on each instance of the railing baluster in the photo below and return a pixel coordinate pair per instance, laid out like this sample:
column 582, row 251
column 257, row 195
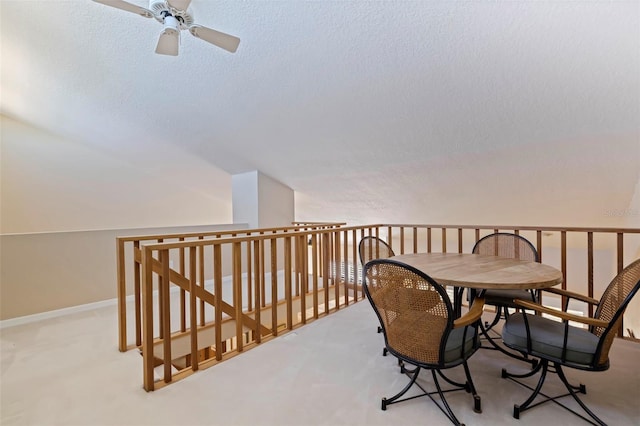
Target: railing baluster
column 287, row 281
column 590, row 270
column 237, row 292
column 202, row 280
column 620, row 262
column 335, row 261
column 137, row 292
column 147, row 320
column 183, row 320
column 193, row 324
column 122, row 295
column 217, row 290
column 258, row 283
column 160, row 303
column 274, row 286
column 326, row 246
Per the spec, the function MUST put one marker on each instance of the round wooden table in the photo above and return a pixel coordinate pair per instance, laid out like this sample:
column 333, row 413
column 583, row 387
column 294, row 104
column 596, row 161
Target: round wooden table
column 477, row 272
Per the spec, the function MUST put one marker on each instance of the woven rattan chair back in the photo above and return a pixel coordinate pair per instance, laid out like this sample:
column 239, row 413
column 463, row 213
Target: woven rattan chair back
column 613, row 303
column 373, row 248
column 414, row 310
column 506, row 245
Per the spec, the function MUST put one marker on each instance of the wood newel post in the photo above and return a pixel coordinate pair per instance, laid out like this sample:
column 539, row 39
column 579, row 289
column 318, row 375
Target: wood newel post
column 147, row 320
column 122, row 296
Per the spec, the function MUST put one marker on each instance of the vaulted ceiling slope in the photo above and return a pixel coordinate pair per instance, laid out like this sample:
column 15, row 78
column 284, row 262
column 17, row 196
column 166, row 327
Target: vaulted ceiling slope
column 424, row 111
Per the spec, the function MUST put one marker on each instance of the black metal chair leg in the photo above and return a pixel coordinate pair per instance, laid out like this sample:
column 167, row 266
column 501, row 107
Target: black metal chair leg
column 528, row 404
column 496, row 319
column 477, row 402
column 445, row 404
column 571, row 388
column 389, row 401
column 517, row 409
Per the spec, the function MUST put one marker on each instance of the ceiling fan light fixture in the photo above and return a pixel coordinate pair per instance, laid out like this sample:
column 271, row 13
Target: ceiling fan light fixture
column 170, row 25
column 169, row 37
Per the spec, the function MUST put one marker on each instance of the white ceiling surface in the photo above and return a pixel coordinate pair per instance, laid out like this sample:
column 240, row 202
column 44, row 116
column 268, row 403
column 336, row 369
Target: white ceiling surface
column 425, row 111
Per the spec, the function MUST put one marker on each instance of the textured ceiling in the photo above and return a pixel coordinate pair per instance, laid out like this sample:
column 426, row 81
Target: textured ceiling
column 387, row 110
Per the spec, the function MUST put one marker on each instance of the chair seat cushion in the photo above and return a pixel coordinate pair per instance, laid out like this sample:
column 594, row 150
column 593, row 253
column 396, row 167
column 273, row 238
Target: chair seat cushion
column 454, row 344
column 417, row 335
column 547, row 337
column 506, row 297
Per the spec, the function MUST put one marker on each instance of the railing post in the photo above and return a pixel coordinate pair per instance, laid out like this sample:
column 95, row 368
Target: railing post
column 137, row 290
column 287, row 281
column 316, row 265
column 122, row 296
column 147, row 320
column 274, row 286
column 258, row 282
column 237, row 292
column 183, row 319
column 620, row 262
column 202, row 279
column 590, row 270
column 337, row 277
column 164, row 283
column 193, row 320
column 326, row 248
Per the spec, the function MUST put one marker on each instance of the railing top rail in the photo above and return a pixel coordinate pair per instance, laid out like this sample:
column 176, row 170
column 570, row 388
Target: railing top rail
column 318, row 223
column 313, row 226
column 268, row 233
column 243, row 238
column 521, row 228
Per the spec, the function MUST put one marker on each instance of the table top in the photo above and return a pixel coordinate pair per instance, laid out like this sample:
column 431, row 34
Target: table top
column 483, row 272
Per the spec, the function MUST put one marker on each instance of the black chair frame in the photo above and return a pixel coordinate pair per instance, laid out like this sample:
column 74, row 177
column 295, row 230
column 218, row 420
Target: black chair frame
column 554, row 364
column 418, row 365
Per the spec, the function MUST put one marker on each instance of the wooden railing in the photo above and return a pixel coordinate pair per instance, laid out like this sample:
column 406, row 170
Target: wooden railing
column 200, row 299
column 128, row 248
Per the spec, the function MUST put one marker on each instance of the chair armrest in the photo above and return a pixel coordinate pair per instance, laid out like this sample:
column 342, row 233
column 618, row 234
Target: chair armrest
column 473, row 315
column 572, row 295
column 561, row 314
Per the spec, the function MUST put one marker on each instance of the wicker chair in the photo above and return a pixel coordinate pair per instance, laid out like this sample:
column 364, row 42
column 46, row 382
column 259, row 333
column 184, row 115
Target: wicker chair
column 564, row 345
column 371, row 248
column 417, row 320
column 515, row 247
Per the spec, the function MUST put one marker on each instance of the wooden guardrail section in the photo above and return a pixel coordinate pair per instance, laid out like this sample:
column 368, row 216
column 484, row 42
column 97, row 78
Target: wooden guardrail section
column 202, row 298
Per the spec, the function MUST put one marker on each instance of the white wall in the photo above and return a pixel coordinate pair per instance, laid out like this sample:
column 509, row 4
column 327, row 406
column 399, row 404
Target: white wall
column 261, row 201
column 49, row 183
column 245, row 198
column 277, row 207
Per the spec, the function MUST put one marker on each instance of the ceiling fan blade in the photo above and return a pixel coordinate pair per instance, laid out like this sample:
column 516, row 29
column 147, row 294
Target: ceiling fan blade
column 179, row 4
column 168, row 42
column 222, row 40
column 129, row 7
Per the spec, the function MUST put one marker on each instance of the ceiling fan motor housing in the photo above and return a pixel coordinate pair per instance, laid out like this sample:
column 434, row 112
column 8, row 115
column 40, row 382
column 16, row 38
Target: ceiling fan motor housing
column 163, row 10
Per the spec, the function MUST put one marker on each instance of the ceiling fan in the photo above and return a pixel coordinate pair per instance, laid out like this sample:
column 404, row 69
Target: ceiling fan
column 175, row 17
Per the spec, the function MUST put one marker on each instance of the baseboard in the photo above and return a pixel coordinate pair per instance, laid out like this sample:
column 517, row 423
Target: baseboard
column 28, row 319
